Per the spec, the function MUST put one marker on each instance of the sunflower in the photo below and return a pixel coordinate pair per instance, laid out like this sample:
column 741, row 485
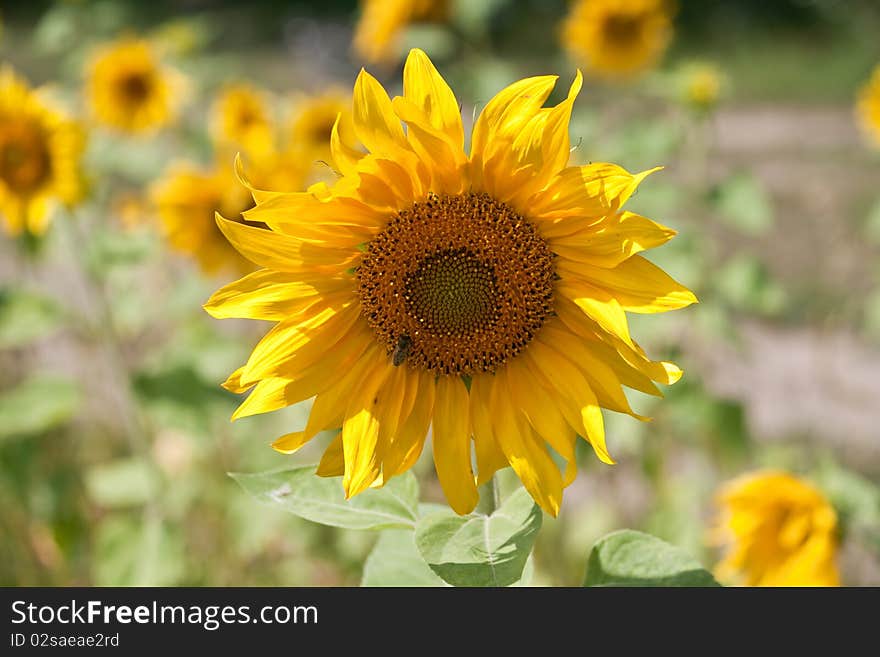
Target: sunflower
column 484, row 295
column 701, row 86
column 187, row 197
column 241, row 118
column 128, row 89
column 617, row 38
column 381, row 22
column 313, row 118
column 40, row 151
column 780, row 531
column 868, row 107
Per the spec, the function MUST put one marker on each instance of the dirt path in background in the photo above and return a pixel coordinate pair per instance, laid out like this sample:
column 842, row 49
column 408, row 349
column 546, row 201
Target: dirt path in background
column 819, row 380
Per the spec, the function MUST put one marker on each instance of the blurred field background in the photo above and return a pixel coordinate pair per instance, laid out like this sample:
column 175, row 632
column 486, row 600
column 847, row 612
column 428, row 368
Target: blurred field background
column 115, row 440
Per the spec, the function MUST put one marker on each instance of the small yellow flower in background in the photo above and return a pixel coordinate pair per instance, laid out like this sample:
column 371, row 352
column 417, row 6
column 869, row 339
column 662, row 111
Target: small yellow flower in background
column 178, row 37
column 131, row 209
column 483, row 294
column 40, row 152
column 129, row 89
column 241, row 117
column 779, row 531
column 313, row 118
column 868, row 107
column 186, row 199
column 617, row 38
column 701, row 86
column 378, row 30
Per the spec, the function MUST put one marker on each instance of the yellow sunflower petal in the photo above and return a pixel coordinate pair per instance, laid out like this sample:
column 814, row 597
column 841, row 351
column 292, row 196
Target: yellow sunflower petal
column 407, row 445
column 376, row 125
column 613, row 240
column 290, row 443
column 282, row 252
column 332, row 463
column 360, row 431
column 602, row 378
column 529, row 459
column 572, row 387
column 598, row 304
column 267, row 294
column 638, row 285
column 542, row 413
column 452, row 445
column 427, row 90
column 488, row 453
column 589, row 191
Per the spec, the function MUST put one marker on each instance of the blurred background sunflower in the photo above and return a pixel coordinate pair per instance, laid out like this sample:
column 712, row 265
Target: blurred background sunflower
column 114, row 432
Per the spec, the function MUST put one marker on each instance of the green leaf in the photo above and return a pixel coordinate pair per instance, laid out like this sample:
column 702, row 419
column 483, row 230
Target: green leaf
column 872, row 224
column 300, row 491
column 744, row 204
column 745, row 284
column 631, row 558
column 25, row 317
column 37, row 405
column 125, row 482
column 395, row 561
column 479, row 550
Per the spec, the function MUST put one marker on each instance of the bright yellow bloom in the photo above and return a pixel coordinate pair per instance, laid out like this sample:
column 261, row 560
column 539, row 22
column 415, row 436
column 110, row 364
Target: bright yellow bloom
column 378, row 30
column 617, row 38
column 128, row 89
column 780, row 531
column 40, row 151
column 241, row 118
column 702, row 86
column 484, row 294
column 312, row 122
column 868, row 107
column 186, row 199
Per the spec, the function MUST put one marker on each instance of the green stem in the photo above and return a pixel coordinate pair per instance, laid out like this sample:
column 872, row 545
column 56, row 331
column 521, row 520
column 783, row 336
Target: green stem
column 489, row 498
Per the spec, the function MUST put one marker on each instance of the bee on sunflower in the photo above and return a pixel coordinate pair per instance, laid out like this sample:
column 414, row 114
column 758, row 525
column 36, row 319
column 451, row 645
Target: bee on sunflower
column 617, row 39
column 40, row 153
column 130, row 90
column 482, row 295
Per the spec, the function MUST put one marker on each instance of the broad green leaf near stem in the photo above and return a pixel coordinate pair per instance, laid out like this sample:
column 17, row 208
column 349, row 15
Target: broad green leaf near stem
column 480, row 550
column 631, row 558
column 300, row 491
column 395, row 561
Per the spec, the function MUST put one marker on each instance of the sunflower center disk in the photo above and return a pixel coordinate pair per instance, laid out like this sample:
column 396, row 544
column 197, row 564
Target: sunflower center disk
column 456, row 284
column 24, row 157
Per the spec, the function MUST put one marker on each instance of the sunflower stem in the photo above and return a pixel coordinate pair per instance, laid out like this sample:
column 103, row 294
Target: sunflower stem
column 489, row 498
